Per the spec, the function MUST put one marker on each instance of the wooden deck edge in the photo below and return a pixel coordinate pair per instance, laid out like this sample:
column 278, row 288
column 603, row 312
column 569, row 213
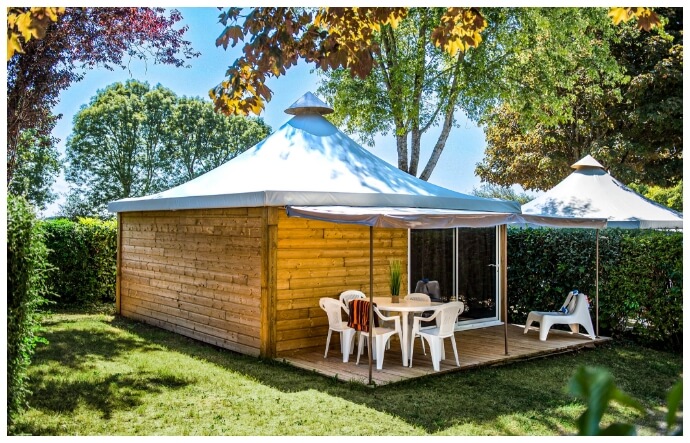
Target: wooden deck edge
column 406, row 374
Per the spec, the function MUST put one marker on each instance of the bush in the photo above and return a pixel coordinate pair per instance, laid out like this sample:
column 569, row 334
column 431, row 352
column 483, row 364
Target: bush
column 85, row 254
column 27, row 269
column 640, row 278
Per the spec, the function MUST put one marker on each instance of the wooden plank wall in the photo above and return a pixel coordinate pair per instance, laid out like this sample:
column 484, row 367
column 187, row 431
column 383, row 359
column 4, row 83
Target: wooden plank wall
column 195, row 272
column 320, row 259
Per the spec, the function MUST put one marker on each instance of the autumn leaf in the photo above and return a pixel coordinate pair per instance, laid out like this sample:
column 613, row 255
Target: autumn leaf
column 620, row 15
column 646, row 18
column 13, row 45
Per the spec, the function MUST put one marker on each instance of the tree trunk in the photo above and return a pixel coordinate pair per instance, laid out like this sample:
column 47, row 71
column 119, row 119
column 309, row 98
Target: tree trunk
column 416, row 103
column 447, row 121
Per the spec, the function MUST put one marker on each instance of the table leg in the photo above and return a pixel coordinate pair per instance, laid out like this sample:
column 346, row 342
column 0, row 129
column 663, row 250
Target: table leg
column 405, row 338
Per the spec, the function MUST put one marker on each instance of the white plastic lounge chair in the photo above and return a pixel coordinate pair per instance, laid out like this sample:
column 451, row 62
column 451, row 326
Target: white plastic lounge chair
column 381, row 336
column 445, row 320
column 574, row 312
column 335, row 323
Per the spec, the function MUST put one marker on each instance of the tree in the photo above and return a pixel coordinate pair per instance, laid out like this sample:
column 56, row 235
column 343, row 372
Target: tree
column 488, row 190
column 331, row 38
column 629, row 116
column 413, row 87
column 201, row 139
column 37, row 166
column 54, row 54
column 133, row 140
column 670, row 197
column 116, row 149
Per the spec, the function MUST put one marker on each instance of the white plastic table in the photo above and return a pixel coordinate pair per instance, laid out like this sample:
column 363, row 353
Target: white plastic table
column 407, row 308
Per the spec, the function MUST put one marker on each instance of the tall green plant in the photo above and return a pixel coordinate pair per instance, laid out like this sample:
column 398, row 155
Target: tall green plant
column 27, row 268
column 395, row 278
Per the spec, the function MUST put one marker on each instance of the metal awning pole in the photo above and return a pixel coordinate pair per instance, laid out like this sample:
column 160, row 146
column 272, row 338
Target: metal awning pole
column 503, row 280
column 371, row 298
column 596, row 299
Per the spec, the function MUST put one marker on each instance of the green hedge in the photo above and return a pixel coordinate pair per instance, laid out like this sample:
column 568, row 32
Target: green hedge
column 27, row 268
column 640, row 280
column 85, row 254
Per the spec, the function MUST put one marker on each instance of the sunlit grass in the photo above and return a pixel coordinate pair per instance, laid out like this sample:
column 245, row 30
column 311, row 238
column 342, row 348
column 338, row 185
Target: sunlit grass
column 105, row 375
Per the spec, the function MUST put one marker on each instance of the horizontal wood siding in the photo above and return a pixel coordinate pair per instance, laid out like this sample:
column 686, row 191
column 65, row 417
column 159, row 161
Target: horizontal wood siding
column 195, row 272
column 319, row 259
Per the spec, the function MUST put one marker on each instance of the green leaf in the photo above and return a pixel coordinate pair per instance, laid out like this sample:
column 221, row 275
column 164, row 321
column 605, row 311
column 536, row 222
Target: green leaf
column 674, row 399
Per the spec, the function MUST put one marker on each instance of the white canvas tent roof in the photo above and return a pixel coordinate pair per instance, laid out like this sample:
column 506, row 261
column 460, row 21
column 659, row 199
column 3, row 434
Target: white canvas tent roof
column 591, row 192
column 309, row 162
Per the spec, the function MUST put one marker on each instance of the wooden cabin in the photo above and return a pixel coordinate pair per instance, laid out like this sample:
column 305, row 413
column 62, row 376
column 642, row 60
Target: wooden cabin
column 245, row 279
column 219, row 260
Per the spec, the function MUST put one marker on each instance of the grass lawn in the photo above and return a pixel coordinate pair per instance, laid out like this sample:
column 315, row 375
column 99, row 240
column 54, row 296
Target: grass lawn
column 106, row 375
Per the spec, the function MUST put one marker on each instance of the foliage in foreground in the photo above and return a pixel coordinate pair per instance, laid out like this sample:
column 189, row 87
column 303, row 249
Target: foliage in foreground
column 105, row 375
column 640, row 280
column 26, row 286
column 597, row 388
column 84, row 254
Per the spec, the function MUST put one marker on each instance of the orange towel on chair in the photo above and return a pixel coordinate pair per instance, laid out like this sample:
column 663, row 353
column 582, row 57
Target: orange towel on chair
column 359, row 315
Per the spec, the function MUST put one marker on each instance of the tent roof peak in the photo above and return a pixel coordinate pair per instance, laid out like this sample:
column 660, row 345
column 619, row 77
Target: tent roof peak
column 309, row 104
column 587, row 162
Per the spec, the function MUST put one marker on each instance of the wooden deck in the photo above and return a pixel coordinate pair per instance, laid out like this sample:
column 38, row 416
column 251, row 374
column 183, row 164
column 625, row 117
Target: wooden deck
column 476, row 348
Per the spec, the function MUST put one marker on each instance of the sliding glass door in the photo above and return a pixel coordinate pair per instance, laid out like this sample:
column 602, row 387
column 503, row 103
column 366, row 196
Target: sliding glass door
column 464, row 261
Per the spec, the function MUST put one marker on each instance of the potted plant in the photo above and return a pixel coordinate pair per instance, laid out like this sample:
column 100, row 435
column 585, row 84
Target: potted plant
column 395, row 279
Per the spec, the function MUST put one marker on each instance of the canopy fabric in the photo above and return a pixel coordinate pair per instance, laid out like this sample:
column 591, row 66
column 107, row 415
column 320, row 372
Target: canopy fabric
column 403, row 217
column 308, row 161
column 561, row 222
column 591, row 192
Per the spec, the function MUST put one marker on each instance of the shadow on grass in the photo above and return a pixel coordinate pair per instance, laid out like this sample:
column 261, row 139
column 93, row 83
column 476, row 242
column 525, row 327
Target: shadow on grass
column 106, row 395
column 76, row 348
column 116, row 391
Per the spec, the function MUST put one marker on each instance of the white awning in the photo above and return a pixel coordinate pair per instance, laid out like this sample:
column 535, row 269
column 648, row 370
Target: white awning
column 406, row 218
column 563, row 222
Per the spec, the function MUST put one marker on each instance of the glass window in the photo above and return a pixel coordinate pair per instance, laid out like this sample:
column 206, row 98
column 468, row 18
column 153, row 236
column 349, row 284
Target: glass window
column 477, row 272
column 464, row 263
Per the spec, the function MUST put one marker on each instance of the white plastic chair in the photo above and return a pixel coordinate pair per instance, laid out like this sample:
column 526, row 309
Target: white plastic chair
column 420, row 296
column 347, row 296
column 335, row 323
column 381, row 335
column 445, row 321
column 577, row 314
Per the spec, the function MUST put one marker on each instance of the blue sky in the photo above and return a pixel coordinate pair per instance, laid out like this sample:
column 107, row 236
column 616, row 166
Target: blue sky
column 455, row 169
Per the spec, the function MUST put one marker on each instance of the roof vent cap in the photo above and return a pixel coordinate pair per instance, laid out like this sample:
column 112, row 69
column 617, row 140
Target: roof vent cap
column 309, row 104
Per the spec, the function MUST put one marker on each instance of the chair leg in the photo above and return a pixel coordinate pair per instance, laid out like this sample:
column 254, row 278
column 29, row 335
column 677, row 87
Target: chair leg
column 328, row 342
column 346, row 340
column 544, row 327
column 380, row 350
column 435, row 349
column 359, row 347
column 528, row 323
column 455, row 349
